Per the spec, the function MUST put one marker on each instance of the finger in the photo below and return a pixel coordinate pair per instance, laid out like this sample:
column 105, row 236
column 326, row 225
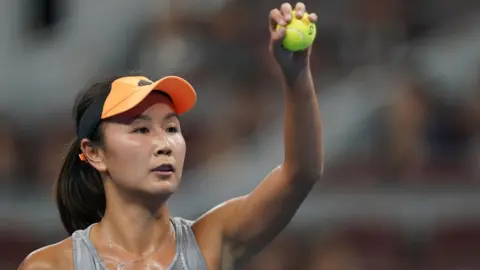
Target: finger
column 313, row 17
column 278, row 34
column 286, row 9
column 276, row 18
column 299, row 9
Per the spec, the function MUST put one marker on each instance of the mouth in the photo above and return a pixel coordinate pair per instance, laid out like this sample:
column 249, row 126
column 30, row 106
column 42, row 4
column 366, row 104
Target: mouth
column 165, row 169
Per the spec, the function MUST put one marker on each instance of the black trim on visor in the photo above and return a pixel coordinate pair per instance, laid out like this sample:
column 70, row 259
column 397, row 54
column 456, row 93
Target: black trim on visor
column 90, row 119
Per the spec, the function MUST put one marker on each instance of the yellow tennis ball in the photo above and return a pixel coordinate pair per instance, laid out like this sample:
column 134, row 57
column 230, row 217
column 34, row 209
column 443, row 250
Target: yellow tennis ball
column 300, row 33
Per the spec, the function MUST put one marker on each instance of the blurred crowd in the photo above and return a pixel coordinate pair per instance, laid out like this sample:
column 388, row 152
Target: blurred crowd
column 373, row 247
column 421, row 138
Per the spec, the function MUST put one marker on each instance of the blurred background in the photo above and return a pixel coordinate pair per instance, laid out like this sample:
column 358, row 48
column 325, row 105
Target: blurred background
column 398, row 82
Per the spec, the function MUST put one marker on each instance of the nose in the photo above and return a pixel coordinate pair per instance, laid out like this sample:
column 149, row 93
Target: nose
column 165, row 151
column 163, row 148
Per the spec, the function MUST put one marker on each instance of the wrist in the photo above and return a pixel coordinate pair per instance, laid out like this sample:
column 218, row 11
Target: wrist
column 297, row 77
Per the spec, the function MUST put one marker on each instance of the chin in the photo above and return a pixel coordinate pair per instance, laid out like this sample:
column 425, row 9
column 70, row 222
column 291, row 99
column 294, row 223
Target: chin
column 162, row 186
column 155, row 195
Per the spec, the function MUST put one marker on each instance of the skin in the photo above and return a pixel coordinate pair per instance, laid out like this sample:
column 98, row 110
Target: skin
column 137, row 217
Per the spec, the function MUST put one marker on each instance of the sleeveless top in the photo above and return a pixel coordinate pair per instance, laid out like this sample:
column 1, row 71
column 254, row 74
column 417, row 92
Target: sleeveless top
column 187, row 255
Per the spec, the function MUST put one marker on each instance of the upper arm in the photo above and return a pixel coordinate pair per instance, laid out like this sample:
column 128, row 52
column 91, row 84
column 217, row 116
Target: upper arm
column 250, row 222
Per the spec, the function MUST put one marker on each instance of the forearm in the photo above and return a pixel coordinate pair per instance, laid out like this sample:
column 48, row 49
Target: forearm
column 303, row 128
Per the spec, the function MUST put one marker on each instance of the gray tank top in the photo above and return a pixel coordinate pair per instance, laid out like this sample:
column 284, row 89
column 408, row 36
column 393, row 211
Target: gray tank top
column 187, row 255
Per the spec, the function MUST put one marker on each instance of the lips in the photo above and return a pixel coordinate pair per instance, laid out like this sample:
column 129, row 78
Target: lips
column 165, row 168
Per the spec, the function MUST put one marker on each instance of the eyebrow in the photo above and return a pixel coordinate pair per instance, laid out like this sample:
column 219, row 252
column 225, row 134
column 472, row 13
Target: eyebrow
column 171, row 115
column 148, row 118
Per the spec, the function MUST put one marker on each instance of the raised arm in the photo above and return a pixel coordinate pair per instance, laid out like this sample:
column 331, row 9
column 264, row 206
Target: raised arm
column 250, row 222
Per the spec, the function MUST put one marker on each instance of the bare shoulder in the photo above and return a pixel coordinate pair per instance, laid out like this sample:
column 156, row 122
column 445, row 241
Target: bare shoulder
column 208, row 230
column 212, row 220
column 56, row 256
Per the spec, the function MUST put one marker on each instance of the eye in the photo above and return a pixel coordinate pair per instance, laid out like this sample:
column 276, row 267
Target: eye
column 141, row 130
column 172, row 130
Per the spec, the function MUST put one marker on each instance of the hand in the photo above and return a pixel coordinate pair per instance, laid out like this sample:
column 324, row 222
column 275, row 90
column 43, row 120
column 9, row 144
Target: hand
column 290, row 63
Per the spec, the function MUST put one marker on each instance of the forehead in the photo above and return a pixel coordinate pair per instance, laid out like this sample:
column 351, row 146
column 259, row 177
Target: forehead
column 155, row 105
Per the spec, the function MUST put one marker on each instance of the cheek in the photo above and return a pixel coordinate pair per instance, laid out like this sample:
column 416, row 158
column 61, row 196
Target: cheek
column 179, row 148
column 124, row 153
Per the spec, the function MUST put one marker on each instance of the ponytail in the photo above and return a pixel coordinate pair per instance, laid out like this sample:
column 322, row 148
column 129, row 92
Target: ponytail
column 79, row 192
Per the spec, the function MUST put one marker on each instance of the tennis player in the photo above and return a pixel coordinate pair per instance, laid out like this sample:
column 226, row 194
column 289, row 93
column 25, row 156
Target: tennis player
column 127, row 160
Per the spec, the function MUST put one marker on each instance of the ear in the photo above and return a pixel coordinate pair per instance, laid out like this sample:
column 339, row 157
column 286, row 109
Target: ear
column 93, row 155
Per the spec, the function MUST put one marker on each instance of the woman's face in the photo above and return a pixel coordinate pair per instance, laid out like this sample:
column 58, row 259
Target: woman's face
column 144, row 148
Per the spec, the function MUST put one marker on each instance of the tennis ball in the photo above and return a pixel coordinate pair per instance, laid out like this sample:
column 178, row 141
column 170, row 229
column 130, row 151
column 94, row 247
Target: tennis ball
column 299, row 34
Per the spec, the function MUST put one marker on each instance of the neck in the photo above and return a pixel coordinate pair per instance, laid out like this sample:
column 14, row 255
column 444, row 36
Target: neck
column 135, row 227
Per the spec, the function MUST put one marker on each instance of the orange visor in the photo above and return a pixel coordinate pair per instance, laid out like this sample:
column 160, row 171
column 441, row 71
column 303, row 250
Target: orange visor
column 128, row 92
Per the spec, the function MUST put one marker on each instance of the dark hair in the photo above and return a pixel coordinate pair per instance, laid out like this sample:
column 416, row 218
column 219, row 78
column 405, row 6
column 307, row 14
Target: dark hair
column 79, row 190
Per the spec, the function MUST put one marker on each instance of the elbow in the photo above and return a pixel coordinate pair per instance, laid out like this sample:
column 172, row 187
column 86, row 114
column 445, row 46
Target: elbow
column 320, row 170
column 317, row 171
column 314, row 175
column 308, row 174
column 307, row 178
